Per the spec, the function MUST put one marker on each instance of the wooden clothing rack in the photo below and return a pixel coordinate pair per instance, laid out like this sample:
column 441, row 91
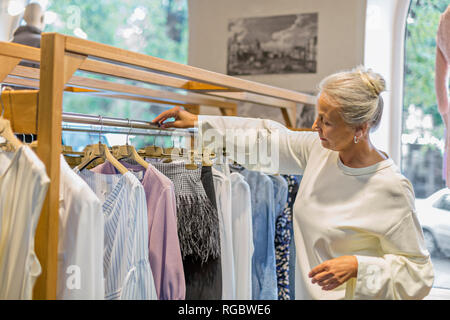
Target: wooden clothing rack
column 60, row 57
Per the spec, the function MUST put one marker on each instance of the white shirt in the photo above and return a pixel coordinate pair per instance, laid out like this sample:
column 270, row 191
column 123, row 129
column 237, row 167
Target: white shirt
column 242, row 235
column 81, row 240
column 365, row 212
column 23, row 186
column 127, row 271
column 222, row 188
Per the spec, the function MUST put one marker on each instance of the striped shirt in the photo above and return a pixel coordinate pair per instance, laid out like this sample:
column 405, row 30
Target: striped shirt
column 127, row 271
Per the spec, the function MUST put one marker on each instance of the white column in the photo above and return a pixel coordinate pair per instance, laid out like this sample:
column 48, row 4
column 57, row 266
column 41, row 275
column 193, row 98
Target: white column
column 384, row 53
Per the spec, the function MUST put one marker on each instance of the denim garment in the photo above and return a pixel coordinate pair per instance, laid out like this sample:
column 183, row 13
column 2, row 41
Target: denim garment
column 293, row 185
column 264, row 273
column 280, row 190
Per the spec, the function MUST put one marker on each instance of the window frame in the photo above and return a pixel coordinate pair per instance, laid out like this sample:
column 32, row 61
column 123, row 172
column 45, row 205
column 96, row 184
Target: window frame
column 385, row 53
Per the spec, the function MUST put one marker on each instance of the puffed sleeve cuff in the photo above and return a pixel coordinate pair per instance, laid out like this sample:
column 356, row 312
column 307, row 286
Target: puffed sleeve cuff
column 369, row 282
column 390, row 278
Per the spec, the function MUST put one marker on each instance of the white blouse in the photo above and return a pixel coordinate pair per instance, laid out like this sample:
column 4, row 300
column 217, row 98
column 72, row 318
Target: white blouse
column 23, row 186
column 222, row 188
column 81, row 239
column 365, row 212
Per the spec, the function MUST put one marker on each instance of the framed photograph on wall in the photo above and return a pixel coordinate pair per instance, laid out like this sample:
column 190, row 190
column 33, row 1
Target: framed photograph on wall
column 272, row 45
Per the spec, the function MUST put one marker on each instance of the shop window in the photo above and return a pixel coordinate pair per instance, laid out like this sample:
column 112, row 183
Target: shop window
column 154, row 27
column 423, row 134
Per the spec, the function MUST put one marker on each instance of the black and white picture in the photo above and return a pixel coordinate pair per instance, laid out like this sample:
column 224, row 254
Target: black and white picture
column 273, row 45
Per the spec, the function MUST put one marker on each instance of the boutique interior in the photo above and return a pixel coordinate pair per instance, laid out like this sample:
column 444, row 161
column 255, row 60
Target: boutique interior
column 100, row 202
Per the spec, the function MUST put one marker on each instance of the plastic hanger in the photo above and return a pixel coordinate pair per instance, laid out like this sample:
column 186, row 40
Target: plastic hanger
column 100, row 150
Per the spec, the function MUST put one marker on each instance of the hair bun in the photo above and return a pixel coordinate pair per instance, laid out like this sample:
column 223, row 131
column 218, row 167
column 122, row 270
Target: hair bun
column 374, row 81
column 377, row 81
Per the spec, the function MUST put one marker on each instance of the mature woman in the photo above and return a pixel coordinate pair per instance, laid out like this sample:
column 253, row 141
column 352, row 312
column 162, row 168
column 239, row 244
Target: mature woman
column 356, row 232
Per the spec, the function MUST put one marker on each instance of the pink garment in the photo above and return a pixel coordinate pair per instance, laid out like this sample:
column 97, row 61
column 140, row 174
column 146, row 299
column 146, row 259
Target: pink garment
column 164, row 247
column 441, row 81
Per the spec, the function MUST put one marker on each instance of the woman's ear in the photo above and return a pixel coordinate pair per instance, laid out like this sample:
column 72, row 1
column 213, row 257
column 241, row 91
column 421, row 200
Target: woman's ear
column 362, row 130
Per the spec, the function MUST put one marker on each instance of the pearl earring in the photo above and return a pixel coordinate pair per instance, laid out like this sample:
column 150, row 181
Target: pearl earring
column 355, row 140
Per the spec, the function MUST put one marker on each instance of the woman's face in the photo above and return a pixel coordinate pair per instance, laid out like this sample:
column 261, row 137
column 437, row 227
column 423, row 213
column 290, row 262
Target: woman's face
column 334, row 133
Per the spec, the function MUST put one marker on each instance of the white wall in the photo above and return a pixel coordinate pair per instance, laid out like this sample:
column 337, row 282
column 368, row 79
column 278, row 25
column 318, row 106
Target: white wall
column 341, row 25
column 384, row 52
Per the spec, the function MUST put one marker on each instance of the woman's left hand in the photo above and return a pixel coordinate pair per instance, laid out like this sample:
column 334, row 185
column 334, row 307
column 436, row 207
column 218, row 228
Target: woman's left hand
column 332, row 273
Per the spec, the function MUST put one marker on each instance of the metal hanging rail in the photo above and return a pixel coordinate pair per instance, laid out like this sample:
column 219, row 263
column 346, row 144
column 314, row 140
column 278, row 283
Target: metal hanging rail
column 137, row 127
column 106, row 121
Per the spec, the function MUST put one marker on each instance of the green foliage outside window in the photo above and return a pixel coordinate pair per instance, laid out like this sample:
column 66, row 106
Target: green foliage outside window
column 420, row 53
column 423, row 130
column 154, row 27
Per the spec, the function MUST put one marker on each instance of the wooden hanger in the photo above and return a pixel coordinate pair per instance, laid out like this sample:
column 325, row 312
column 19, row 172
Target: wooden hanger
column 86, row 151
column 153, row 151
column 7, row 132
column 206, row 158
column 171, row 154
column 101, row 150
column 129, row 152
column 73, row 158
column 191, row 165
column 68, row 150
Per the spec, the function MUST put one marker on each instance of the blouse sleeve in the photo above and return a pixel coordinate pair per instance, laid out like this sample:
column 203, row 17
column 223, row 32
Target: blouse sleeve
column 164, row 249
column 258, row 144
column 404, row 271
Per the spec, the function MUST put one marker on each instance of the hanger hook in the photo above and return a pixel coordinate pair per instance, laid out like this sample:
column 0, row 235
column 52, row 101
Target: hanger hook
column 101, row 129
column 129, row 130
column 159, row 136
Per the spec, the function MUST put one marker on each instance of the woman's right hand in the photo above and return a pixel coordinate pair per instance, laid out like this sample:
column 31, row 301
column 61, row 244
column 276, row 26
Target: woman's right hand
column 183, row 119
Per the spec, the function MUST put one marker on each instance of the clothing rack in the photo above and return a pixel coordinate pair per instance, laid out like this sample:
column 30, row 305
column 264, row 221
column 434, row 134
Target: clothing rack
column 60, row 57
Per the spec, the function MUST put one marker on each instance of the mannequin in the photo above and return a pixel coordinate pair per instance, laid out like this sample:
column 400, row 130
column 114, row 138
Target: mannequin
column 441, row 83
column 30, row 34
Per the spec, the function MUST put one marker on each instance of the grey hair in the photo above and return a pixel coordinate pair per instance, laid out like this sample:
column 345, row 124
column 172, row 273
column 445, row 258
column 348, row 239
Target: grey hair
column 357, row 93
